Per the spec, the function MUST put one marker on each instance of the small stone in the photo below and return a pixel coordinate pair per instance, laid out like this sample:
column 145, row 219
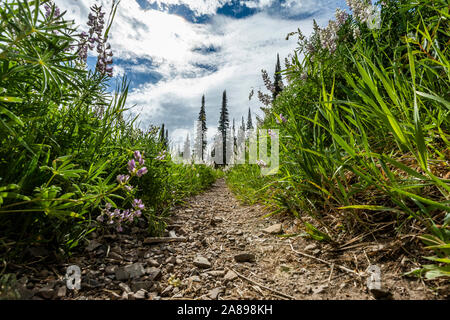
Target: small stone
column 121, row 274
column 202, row 262
column 154, row 273
column 214, row 293
column 62, row 291
column 275, row 229
column 138, row 285
column 216, row 273
column 93, row 244
column 178, row 261
column 169, row 267
column 124, row 296
column 195, row 278
column 135, row 270
column 124, row 287
column 46, row 292
column 230, row 276
column 167, row 291
column 245, row 257
column 140, row 294
column 153, row 263
column 89, row 283
column 110, row 269
column 172, row 260
column 320, row 289
column 310, row 247
column 115, row 256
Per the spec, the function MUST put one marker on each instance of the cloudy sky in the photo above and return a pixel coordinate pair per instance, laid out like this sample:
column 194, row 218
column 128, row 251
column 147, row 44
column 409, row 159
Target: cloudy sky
column 174, row 51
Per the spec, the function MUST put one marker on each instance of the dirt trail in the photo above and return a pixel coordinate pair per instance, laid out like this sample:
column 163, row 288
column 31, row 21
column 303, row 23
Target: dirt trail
column 225, row 255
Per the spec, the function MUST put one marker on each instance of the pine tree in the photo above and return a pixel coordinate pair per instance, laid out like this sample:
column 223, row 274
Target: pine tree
column 249, row 120
column 161, row 134
column 278, row 83
column 202, row 119
column 166, row 138
column 224, row 124
column 243, row 124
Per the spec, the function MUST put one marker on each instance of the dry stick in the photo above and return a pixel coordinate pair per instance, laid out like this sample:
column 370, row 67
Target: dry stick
column 151, row 240
column 324, row 261
column 281, row 294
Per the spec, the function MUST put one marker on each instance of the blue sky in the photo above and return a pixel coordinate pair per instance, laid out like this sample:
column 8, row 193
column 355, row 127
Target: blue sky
column 174, row 51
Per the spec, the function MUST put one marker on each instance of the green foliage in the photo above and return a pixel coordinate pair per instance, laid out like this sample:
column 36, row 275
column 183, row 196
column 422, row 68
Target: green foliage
column 367, row 132
column 64, row 139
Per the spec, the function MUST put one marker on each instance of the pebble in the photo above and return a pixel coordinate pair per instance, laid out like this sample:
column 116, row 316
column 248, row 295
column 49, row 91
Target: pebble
column 310, row 247
column 140, row 294
column 167, row 290
column 202, row 262
column 93, row 244
column 46, row 293
column 274, row 229
column 245, row 257
column 214, row 293
column 230, row 276
column 124, row 287
column 154, row 273
column 110, row 269
column 62, row 291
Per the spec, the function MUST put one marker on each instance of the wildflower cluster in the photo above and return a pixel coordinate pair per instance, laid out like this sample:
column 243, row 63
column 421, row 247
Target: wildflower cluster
column 94, row 40
column 264, row 98
column 51, row 7
column 267, row 82
column 161, row 155
column 283, row 119
column 365, row 12
column 329, row 35
column 118, row 216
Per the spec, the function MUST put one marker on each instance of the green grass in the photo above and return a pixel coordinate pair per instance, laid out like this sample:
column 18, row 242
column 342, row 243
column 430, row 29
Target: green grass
column 64, row 138
column 367, row 136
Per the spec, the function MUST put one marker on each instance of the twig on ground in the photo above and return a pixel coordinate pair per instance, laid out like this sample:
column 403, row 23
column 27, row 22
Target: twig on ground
column 152, row 240
column 281, row 294
column 324, row 261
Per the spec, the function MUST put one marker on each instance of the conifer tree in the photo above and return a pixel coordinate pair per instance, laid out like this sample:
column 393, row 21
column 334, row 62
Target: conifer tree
column 202, row 119
column 161, row 134
column 249, row 120
column 224, row 125
column 278, row 81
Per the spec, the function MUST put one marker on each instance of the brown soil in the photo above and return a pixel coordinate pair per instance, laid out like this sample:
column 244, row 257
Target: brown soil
column 216, row 227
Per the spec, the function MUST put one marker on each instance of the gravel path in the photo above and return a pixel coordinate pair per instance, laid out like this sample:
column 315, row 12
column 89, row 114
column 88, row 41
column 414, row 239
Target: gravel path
column 219, row 249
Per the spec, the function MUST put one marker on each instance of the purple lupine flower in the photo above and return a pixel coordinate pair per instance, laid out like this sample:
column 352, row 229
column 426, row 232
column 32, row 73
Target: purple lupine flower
column 129, row 188
column 141, row 172
column 283, row 119
column 119, row 228
column 131, row 166
column 271, row 133
column 108, row 206
column 122, row 179
column 100, row 218
column 137, row 204
column 161, row 156
column 137, row 155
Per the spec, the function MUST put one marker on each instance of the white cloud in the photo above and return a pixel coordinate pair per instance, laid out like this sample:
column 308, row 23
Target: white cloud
column 246, row 46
